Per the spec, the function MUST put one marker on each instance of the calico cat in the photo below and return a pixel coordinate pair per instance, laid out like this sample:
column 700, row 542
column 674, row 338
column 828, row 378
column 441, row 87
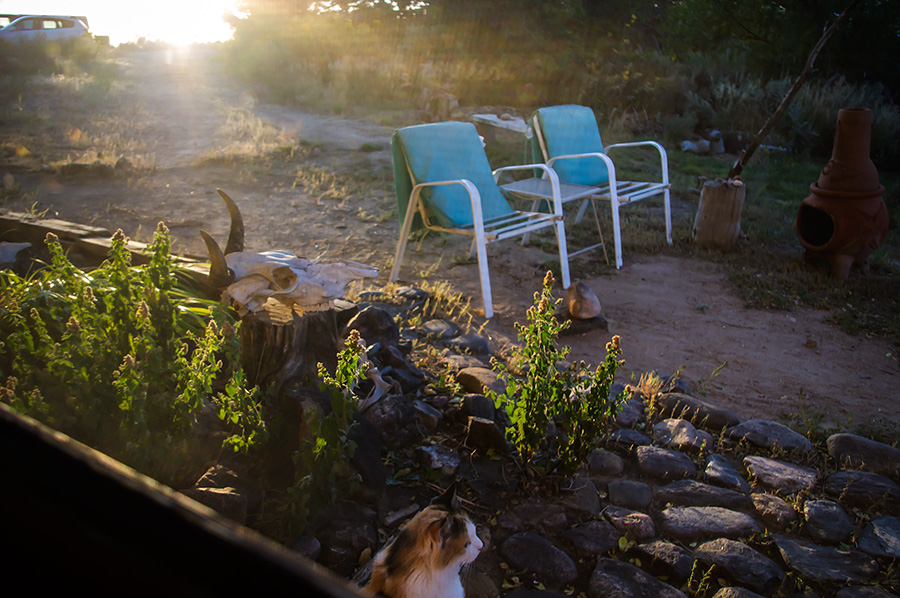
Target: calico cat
column 425, row 558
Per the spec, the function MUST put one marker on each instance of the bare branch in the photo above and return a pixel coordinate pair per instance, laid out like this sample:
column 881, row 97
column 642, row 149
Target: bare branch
column 770, row 124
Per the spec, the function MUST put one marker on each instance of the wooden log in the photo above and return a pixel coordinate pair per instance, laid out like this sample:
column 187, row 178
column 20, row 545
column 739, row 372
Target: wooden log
column 97, row 248
column 18, row 226
column 718, row 221
column 281, row 346
column 90, row 242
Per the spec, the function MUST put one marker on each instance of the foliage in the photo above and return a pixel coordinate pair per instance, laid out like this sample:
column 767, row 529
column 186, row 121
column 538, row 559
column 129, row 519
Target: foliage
column 573, row 399
column 776, row 37
column 646, row 68
column 820, row 102
column 323, row 460
column 17, row 58
column 120, row 359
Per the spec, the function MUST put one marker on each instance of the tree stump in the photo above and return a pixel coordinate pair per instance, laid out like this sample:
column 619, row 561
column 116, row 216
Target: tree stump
column 718, row 221
column 280, row 345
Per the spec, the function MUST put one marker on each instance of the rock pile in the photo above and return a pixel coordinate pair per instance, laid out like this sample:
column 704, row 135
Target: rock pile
column 681, row 498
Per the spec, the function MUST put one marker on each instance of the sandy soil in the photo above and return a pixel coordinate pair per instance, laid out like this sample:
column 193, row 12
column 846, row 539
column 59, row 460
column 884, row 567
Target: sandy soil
column 180, row 121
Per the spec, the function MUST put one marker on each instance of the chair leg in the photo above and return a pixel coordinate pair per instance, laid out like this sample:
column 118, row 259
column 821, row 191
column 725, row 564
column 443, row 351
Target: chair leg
column 599, row 230
column 668, row 206
column 485, row 276
column 563, row 253
column 617, row 232
column 404, row 238
column 534, row 208
column 582, row 210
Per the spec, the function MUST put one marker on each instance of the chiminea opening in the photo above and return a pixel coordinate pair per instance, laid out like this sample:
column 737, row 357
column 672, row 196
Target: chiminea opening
column 814, row 226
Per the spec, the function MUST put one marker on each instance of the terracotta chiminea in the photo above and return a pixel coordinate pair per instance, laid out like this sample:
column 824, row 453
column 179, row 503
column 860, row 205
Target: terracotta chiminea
column 845, row 219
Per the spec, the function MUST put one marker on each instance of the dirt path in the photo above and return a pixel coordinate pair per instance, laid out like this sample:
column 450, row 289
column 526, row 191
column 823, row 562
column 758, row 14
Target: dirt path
column 188, row 130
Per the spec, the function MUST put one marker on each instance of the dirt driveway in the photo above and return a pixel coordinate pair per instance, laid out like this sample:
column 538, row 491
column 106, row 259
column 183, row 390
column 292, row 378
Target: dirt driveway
column 186, row 130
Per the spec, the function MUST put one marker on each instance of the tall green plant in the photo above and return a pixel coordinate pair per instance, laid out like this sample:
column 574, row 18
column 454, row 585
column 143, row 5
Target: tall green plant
column 575, row 399
column 322, row 462
column 120, row 359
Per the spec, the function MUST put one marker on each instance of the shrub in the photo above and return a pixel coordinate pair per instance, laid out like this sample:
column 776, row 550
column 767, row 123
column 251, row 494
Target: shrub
column 574, row 399
column 122, row 360
column 48, row 58
column 821, row 102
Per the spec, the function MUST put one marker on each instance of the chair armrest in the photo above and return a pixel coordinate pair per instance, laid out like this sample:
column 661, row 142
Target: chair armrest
column 520, row 167
column 663, row 156
column 549, row 173
column 464, row 182
column 471, row 189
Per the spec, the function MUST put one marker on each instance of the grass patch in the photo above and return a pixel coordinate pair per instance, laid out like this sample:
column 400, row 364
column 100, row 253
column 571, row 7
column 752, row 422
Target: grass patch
column 768, row 267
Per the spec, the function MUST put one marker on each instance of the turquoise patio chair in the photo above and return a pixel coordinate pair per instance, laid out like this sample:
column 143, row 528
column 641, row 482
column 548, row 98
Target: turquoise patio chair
column 567, row 138
column 443, row 182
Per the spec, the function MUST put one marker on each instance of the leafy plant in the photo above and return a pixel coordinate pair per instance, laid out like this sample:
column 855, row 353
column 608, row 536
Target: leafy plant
column 122, row 360
column 574, row 399
column 323, row 460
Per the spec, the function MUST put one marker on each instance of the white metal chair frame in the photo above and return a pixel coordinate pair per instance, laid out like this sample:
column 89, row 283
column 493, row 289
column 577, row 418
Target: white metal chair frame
column 488, row 231
column 619, row 193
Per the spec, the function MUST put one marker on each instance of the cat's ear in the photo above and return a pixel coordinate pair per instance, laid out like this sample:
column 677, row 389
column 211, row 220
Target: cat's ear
column 448, row 499
column 446, row 529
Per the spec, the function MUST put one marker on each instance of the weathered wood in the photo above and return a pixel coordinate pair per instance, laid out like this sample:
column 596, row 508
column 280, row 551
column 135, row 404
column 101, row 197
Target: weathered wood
column 30, row 228
column 718, row 220
column 98, row 248
column 90, row 241
column 279, row 345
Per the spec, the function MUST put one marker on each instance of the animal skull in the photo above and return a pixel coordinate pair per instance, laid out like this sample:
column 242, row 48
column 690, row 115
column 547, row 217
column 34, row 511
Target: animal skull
column 251, row 278
column 289, row 279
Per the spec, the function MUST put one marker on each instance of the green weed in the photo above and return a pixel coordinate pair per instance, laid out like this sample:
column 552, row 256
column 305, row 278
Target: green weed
column 702, row 385
column 322, row 462
column 575, row 399
column 122, row 360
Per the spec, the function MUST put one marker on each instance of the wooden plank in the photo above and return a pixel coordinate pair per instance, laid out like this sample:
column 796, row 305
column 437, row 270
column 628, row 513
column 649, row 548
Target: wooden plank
column 91, row 241
column 98, row 247
column 19, row 226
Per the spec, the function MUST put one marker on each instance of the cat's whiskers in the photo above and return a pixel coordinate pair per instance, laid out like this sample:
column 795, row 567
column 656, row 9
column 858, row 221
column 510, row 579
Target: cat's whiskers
column 464, row 572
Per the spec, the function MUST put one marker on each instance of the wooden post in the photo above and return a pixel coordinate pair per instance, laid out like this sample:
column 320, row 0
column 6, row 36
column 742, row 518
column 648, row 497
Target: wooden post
column 718, row 221
column 279, row 345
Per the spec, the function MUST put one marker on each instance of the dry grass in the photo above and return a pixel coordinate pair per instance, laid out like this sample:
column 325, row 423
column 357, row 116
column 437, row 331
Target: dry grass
column 246, row 135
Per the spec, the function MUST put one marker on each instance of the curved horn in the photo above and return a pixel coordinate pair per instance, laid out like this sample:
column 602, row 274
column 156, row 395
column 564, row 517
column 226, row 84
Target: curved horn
column 220, row 275
column 236, row 234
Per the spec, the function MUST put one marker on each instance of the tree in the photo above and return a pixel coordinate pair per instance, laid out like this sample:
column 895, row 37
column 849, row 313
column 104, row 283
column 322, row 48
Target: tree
column 776, row 36
column 274, row 8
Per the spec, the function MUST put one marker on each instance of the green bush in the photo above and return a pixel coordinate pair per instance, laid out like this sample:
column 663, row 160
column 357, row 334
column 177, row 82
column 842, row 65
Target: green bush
column 821, row 102
column 122, row 360
column 48, row 58
column 574, row 399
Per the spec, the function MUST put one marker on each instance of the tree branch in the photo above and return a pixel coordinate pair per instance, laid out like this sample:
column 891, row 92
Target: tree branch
column 747, row 153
